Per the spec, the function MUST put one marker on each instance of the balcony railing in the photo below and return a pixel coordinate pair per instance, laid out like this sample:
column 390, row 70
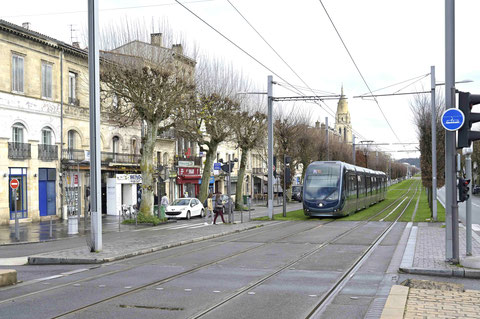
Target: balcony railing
column 123, row 158
column 77, row 155
column 168, row 134
column 19, row 151
column 73, row 101
column 47, row 152
column 197, row 160
column 259, row 170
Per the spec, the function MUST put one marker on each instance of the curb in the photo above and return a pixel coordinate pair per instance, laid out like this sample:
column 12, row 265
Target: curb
column 460, row 272
column 396, row 302
column 8, row 277
column 40, row 260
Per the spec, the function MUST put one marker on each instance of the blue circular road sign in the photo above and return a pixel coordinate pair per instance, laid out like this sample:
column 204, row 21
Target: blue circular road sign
column 452, row 119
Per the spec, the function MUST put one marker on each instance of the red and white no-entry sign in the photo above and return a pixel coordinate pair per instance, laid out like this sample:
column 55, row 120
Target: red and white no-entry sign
column 14, row 183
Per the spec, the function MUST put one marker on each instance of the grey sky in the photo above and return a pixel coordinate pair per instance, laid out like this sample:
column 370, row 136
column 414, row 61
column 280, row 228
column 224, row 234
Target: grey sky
column 391, row 41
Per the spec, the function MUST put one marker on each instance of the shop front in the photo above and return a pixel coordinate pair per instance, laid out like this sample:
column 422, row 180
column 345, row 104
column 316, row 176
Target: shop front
column 123, row 191
column 188, row 179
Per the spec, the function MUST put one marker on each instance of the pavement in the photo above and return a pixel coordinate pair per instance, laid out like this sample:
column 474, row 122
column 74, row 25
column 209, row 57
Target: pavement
column 421, row 248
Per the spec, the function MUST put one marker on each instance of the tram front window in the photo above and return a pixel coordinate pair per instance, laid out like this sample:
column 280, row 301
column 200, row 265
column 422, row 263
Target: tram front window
column 322, row 182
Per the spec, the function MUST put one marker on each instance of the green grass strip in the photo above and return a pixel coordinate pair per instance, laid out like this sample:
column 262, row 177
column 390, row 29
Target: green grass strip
column 423, row 212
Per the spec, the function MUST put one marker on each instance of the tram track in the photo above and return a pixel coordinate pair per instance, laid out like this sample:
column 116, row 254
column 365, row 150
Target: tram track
column 218, row 260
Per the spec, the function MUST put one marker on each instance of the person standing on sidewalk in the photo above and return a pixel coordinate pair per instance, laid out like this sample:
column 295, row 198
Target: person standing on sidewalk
column 218, row 207
column 163, row 205
column 208, row 204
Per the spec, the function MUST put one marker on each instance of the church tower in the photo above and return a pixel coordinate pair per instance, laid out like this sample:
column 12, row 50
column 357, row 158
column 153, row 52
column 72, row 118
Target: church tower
column 343, row 125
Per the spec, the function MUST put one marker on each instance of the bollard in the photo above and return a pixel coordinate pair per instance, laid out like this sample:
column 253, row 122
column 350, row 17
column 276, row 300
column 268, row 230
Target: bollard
column 119, row 217
column 249, row 209
column 241, row 213
column 17, row 234
column 51, row 225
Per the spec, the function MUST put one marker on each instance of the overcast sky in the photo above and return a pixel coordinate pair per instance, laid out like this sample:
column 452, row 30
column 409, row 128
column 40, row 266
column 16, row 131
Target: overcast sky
column 391, row 41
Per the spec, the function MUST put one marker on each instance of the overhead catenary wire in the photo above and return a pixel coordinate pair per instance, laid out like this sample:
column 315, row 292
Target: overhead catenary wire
column 288, row 65
column 358, row 69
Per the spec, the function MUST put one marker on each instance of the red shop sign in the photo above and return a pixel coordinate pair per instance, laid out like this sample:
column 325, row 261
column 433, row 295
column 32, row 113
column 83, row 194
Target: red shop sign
column 186, row 171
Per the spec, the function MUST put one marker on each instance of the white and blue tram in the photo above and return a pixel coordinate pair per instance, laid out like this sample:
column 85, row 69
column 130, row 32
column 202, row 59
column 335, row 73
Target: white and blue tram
column 333, row 188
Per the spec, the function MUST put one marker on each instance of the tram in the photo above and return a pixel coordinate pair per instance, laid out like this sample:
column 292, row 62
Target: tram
column 333, row 188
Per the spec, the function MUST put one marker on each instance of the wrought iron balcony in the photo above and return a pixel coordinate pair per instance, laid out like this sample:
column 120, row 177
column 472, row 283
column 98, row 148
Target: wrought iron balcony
column 19, row 151
column 120, row 158
column 75, row 155
column 73, row 101
column 47, row 152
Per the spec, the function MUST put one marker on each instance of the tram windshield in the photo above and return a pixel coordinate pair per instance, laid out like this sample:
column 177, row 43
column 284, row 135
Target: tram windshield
column 322, row 181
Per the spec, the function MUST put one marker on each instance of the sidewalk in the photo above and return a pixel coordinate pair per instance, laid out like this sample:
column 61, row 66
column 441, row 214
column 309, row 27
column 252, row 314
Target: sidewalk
column 425, row 255
column 40, row 231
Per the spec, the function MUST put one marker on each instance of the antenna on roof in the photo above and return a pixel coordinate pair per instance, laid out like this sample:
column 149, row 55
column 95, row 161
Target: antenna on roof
column 73, row 37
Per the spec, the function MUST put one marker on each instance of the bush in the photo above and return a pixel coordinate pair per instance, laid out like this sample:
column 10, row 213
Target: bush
column 145, row 219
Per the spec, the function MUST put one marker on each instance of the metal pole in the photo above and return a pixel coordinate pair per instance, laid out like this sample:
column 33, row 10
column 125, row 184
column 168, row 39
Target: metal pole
column 353, row 145
column 451, row 211
column 284, row 186
column 17, row 232
column 468, row 204
column 270, row 146
column 94, row 95
column 228, row 193
column 326, row 134
column 434, row 144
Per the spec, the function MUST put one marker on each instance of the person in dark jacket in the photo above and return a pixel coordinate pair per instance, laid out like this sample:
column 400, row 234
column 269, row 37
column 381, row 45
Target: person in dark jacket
column 218, row 207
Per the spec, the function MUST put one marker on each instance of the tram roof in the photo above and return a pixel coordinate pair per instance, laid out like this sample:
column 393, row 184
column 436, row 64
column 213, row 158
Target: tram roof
column 351, row 167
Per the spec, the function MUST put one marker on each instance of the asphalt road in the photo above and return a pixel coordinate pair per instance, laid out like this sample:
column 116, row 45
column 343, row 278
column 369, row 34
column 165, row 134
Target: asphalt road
column 462, row 209
column 185, row 281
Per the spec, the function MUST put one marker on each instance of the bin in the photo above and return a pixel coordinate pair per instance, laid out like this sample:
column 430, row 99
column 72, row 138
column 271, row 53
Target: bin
column 245, row 199
column 155, row 210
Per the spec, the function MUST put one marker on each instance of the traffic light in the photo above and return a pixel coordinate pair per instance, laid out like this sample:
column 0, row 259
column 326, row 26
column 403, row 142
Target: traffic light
column 288, row 176
column 275, row 166
column 228, row 168
column 463, row 189
column 465, row 136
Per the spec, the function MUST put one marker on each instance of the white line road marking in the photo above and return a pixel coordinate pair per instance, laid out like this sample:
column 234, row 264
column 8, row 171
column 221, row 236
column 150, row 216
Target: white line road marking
column 48, row 278
column 74, row 271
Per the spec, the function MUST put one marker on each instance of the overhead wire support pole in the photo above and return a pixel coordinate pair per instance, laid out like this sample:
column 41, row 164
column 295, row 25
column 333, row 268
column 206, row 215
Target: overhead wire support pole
column 451, row 218
column 270, row 146
column 434, row 145
column 94, row 95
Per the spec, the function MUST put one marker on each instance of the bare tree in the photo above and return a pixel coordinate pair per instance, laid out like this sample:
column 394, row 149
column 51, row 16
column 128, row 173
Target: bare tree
column 249, row 126
column 207, row 118
column 421, row 109
column 288, row 129
column 145, row 83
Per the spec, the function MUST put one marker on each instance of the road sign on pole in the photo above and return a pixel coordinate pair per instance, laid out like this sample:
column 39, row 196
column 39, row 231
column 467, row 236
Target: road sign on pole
column 453, row 119
column 14, row 183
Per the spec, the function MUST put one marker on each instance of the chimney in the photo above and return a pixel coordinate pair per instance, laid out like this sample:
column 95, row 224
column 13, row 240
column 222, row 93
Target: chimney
column 317, row 124
column 156, row 39
column 76, row 44
column 178, row 49
column 26, row 25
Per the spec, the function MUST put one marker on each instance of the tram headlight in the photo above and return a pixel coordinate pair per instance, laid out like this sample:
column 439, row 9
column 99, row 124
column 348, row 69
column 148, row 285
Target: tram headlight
column 333, row 196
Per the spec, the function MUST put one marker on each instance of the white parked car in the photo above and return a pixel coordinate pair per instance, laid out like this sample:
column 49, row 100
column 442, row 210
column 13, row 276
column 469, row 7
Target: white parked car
column 185, row 208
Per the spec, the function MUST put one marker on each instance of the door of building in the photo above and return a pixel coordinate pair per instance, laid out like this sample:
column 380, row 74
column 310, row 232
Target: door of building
column 21, row 195
column 46, row 191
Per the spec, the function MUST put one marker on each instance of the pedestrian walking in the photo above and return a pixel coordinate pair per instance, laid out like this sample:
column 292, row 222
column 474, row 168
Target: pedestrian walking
column 208, row 204
column 163, row 205
column 218, row 208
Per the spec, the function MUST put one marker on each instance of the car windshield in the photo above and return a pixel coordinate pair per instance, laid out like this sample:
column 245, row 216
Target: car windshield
column 181, row 202
column 296, row 189
column 322, row 182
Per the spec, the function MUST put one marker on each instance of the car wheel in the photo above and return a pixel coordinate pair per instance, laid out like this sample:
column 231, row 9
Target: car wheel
column 202, row 213
column 188, row 215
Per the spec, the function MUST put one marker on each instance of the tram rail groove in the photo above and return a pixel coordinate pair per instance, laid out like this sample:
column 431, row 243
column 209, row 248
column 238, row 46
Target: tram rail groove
column 239, row 291
column 199, row 267
column 328, row 296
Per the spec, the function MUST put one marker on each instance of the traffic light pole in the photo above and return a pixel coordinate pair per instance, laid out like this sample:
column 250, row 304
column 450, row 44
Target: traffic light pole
column 451, row 209
column 284, row 186
column 326, row 134
column 434, row 144
column 468, row 204
column 353, row 150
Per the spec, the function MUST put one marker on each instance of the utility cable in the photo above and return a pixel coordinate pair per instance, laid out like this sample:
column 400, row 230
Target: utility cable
column 358, row 69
